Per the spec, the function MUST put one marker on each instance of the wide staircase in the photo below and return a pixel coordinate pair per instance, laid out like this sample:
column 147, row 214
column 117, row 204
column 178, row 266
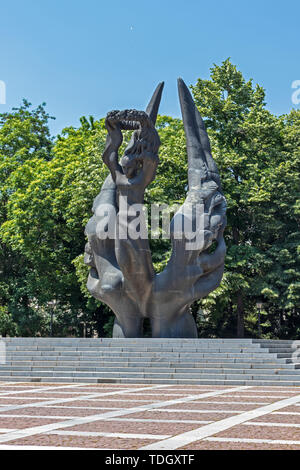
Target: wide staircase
column 151, row 361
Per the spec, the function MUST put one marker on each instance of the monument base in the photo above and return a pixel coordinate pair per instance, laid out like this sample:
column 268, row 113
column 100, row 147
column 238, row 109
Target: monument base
column 151, row 361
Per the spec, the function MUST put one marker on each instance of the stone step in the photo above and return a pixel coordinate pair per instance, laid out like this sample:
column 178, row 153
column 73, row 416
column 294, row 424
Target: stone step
column 79, row 364
column 293, row 360
column 231, row 375
column 131, row 340
column 150, row 360
column 288, row 355
column 167, row 369
column 139, row 353
column 94, row 342
column 263, row 383
column 108, row 342
column 147, row 360
column 283, row 350
column 114, row 348
column 276, row 341
column 144, row 347
column 87, row 342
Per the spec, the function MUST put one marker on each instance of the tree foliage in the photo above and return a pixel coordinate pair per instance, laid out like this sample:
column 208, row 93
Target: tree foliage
column 258, row 157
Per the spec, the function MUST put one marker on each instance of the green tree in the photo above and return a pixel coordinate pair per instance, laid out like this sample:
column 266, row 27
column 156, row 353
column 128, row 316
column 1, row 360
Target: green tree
column 24, row 137
column 7, row 326
column 258, row 158
column 46, row 215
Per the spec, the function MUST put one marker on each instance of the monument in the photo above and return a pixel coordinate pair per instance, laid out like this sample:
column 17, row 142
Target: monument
column 121, row 270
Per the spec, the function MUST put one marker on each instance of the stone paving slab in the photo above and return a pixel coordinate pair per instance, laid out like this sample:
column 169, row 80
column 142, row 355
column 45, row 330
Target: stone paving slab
column 129, row 415
column 17, row 401
column 76, row 441
column 275, row 418
column 251, row 445
column 40, row 396
column 201, row 407
column 48, row 411
column 293, row 409
column 262, row 432
column 182, row 415
column 23, row 423
column 133, row 427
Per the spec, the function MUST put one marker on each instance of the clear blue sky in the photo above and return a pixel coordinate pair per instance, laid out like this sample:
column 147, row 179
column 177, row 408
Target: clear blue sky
column 88, row 57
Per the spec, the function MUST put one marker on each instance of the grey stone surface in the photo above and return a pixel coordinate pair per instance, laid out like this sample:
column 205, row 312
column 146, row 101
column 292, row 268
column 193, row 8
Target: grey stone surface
column 173, row 361
column 121, row 270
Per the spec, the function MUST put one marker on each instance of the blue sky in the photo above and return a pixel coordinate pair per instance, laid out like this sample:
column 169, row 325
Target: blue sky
column 88, row 57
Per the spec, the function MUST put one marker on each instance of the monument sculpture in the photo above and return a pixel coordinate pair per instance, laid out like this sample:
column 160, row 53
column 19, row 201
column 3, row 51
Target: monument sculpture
column 121, row 270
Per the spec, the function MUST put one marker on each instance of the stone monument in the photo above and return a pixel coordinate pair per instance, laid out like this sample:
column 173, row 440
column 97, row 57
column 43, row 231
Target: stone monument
column 121, row 270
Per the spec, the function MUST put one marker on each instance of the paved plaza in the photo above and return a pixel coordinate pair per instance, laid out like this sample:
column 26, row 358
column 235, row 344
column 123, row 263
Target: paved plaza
column 150, row 417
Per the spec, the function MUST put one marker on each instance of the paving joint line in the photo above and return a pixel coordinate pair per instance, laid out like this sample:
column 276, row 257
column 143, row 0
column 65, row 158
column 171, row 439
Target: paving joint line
column 119, row 435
